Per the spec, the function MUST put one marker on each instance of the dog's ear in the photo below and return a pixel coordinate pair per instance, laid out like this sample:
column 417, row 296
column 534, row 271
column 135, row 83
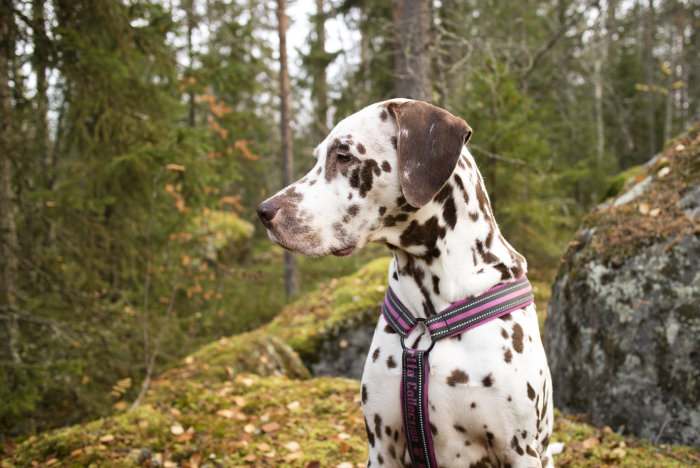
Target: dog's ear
column 429, row 143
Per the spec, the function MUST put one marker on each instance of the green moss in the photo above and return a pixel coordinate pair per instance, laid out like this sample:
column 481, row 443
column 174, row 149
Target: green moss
column 305, row 323
column 275, row 421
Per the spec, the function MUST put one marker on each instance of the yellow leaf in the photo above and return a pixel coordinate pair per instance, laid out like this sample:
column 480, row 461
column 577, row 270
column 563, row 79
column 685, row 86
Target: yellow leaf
column 124, row 383
column 175, row 167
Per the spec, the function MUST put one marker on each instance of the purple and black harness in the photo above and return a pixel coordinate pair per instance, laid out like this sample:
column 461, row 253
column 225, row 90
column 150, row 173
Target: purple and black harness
column 458, row 318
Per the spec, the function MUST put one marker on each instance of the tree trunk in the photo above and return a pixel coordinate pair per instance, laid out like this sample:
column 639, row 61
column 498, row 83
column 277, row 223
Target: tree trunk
column 320, row 79
column 8, row 229
column 290, row 264
column 40, row 65
column 40, row 59
column 412, row 60
column 190, row 19
column 599, row 56
column 650, row 67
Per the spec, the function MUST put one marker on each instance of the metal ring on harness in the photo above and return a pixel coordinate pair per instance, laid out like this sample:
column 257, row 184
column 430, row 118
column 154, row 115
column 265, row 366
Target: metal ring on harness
column 432, row 340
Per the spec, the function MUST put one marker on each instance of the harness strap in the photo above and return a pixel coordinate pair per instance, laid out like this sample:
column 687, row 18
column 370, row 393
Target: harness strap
column 458, row 318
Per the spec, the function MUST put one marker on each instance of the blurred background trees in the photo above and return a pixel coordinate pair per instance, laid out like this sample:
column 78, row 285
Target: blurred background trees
column 137, row 137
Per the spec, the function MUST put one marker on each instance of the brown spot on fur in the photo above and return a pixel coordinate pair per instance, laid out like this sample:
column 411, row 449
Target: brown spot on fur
column 378, row 425
column 459, row 428
column 382, row 210
column 518, row 338
column 370, row 434
column 488, row 380
column 504, row 333
column 457, row 376
column 375, row 355
column 383, row 115
column 508, row 356
column 392, row 220
column 433, row 429
column 516, row 446
column 388, row 329
column 436, row 285
column 395, row 142
column 361, row 148
column 485, row 255
column 353, row 210
column 386, row 167
column 426, row 234
column 390, row 363
column 364, row 394
column 530, row 391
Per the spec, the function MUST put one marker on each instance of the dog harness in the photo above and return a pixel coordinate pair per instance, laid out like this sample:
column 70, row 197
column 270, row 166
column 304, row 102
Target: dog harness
column 458, row 318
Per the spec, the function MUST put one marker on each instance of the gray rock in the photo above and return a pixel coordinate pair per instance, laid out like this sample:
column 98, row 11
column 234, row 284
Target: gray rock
column 623, row 338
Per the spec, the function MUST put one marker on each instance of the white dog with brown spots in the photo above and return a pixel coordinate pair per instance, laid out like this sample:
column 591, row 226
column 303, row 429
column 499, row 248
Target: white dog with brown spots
column 399, row 172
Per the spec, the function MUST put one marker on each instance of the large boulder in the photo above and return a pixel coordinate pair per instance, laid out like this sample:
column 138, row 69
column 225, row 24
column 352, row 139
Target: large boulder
column 623, row 327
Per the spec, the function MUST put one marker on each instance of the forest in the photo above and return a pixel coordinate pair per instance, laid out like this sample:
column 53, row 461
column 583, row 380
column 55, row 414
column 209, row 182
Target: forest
column 137, row 138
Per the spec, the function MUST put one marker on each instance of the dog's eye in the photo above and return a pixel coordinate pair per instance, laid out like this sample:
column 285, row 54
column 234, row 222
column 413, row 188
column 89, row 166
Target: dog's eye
column 344, row 158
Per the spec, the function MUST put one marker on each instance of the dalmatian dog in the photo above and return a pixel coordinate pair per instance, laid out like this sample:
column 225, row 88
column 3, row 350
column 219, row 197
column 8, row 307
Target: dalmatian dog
column 398, row 172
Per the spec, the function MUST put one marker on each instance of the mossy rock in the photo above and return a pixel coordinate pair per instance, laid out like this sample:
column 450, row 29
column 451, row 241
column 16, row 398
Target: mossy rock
column 332, row 310
column 255, row 352
column 226, row 238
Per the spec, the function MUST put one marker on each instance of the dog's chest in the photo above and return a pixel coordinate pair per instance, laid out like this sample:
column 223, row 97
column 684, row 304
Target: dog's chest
column 477, row 383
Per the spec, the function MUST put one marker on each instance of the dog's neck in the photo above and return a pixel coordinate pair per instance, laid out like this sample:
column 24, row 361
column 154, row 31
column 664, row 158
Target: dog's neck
column 450, row 249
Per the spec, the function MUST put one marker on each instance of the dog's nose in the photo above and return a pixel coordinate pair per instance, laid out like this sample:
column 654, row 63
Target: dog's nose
column 266, row 212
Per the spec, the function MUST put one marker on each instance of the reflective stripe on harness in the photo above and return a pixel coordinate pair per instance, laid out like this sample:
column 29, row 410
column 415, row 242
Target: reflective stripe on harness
column 458, row 318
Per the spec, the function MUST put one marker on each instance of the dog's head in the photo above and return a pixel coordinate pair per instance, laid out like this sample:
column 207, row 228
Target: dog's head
column 374, row 168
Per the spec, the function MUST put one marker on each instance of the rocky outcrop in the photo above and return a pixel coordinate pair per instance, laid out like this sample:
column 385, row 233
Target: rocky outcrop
column 624, row 316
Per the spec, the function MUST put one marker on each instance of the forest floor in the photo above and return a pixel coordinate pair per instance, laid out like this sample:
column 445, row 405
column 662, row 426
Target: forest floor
column 210, row 410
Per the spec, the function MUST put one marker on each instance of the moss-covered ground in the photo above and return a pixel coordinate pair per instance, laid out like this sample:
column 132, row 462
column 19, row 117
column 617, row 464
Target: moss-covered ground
column 275, row 421
column 233, row 403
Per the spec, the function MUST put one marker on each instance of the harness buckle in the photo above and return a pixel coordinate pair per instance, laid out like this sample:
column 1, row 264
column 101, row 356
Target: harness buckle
column 425, row 325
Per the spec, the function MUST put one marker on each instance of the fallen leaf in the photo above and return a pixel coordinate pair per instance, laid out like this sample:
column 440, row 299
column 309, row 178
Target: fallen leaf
column 271, row 427
column 177, row 429
column 169, row 464
column 313, row 464
column 76, row 452
column 263, row 447
column 250, row 458
column 50, row 462
column 663, row 172
column 345, row 465
column 293, row 405
column 293, row 456
column 249, row 428
column 239, row 400
column 619, row 452
column 105, row 439
column 655, row 212
column 591, row 442
column 644, row 208
column 292, row 446
column 226, row 413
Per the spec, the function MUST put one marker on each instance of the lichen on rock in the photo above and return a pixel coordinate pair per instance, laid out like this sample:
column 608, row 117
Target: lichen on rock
column 624, row 315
